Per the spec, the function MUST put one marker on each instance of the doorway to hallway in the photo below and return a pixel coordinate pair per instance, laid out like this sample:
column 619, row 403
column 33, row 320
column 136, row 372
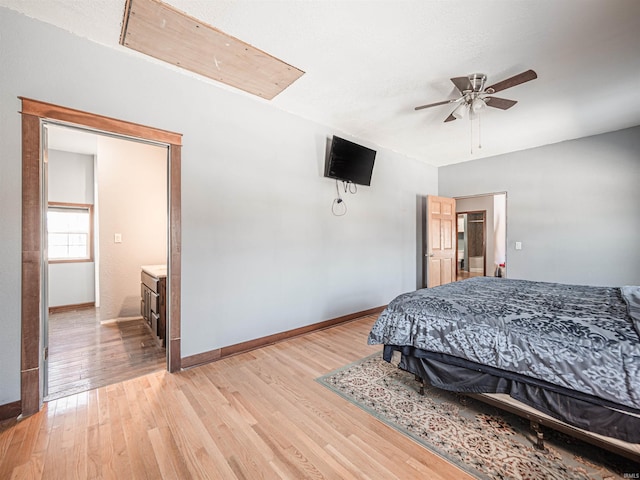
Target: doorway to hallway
column 471, row 245
column 34, row 114
column 481, row 245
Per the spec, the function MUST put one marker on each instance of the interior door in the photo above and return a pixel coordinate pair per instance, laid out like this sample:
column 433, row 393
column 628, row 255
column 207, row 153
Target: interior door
column 440, row 245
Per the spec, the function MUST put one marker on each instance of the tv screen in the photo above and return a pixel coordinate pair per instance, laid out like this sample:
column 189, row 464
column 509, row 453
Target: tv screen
column 350, row 162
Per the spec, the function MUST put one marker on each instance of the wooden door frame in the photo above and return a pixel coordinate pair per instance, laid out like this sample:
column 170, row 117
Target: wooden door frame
column 34, row 112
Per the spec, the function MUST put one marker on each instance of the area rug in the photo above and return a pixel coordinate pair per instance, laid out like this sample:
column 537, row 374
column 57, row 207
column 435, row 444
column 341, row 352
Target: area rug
column 486, row 442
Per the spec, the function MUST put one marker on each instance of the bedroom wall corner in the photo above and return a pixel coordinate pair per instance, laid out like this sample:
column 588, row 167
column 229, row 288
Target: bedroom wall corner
column 261, row 251
column 574, row 206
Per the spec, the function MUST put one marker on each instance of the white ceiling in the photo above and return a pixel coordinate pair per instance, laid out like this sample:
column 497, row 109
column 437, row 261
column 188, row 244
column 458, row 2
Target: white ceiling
column 369, row 63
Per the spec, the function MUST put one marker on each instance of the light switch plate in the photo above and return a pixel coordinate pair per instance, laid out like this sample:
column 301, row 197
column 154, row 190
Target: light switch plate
column 117, row 238
column 518, row 245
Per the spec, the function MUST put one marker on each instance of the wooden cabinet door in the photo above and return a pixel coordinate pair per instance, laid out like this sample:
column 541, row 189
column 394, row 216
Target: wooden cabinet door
column 440, row 244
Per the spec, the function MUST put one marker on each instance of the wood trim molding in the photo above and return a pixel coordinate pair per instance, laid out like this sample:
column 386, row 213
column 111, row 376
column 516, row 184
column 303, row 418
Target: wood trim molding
column 175, row 252
column 31, row 266
column 69, row 308
column 220, row 353
column 10, row 410
column 33, row 111
column 99, row 122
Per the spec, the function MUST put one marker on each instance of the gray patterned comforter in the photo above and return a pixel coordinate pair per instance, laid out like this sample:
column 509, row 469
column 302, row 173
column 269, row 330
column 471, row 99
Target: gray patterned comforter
column 578, row 337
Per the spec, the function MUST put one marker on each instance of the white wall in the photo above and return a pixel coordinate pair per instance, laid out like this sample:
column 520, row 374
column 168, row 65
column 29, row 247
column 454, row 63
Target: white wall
column 71, row 284
column 132, row 201
column 70, row 181
column 575, row 206
column 499, row 232
column 261, row 251
column 70, row 177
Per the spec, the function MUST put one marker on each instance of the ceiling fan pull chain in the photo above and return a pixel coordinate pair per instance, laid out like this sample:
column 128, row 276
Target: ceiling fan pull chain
column 471, row 134
column 479, row 134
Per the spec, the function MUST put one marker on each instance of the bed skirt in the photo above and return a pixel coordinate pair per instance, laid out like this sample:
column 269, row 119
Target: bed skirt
column 575, row 408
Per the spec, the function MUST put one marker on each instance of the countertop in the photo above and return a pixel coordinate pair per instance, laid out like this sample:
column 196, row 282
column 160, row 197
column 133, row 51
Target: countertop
column 158, row 271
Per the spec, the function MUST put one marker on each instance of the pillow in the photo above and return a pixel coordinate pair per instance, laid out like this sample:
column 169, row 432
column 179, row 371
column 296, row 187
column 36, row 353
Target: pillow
column 631, row 295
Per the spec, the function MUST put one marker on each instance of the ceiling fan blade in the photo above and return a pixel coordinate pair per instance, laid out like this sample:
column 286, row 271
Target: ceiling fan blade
column 450, row 118
column 462, row 83
column 501, row 103
column 434, row 104
column 512, row 82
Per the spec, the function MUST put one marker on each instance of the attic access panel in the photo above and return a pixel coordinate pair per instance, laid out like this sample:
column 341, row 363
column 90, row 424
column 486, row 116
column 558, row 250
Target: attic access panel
column 160, row 31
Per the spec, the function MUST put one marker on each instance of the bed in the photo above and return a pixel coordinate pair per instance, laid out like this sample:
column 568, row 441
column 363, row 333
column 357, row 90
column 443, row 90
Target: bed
column 566, row 356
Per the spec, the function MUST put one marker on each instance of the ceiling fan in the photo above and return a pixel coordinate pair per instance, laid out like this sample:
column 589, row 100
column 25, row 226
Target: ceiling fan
column 475, row 96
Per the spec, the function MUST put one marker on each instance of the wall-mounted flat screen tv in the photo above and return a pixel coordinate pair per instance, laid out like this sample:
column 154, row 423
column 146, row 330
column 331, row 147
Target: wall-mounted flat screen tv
column 349, row 162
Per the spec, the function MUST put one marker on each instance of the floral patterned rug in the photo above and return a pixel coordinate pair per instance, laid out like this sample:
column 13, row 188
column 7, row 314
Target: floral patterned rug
column 482, row 440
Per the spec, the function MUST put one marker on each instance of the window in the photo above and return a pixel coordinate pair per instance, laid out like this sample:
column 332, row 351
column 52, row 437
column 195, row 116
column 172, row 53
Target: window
column 70, row 232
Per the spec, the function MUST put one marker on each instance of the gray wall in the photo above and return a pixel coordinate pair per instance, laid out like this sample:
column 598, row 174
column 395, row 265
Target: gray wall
column 261, row 251
column 575, row 206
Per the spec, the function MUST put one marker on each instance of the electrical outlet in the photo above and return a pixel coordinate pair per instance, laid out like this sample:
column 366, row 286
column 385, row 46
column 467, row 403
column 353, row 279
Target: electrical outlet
column 117, row 238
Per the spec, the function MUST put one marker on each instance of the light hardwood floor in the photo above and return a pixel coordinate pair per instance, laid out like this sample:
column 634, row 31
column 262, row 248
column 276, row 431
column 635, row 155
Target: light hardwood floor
column 85, row 354
column 461, row 275
column 259, row 414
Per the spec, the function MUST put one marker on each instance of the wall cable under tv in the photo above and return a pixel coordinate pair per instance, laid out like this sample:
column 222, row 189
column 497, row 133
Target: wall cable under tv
column 339, row 206
column 350, row 163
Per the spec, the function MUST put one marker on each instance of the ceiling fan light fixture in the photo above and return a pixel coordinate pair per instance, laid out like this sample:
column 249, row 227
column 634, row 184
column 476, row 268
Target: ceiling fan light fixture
column 477, row 104
column 460, row 111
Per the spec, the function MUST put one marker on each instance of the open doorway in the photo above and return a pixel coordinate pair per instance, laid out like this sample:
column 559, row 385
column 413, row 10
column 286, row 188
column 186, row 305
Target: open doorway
column 487, row 215
column 106, row 214
column 471, row 244
column 34, row 113
column 481, row 235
